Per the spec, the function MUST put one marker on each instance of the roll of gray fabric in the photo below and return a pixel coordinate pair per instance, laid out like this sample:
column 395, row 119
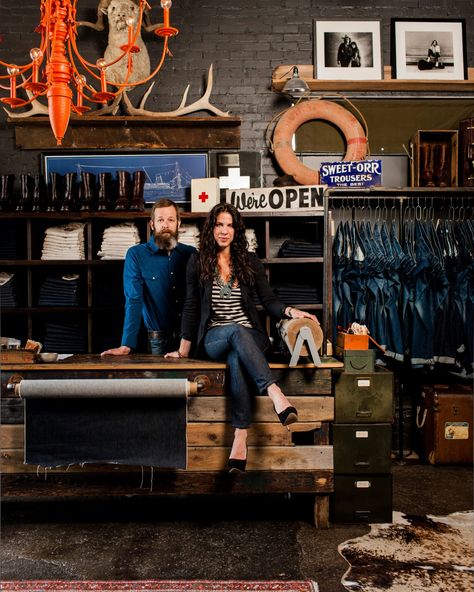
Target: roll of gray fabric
column 101, row 388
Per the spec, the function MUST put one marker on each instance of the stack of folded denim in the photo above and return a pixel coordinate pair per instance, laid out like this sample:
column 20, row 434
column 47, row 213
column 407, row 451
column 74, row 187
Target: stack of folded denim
column 64, row 242
column 65, row 337
column 292, row 248
column 9, row 246
column 251, row 239
column 297, row 294
column 117, row 240
column 7, row 290
column 189, row 235
column 59, row 291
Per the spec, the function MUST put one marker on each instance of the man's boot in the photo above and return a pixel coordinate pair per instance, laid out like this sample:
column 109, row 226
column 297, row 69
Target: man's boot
column 87, row 192
column 26, row 193
column 6, row 192
column 138, row 203
column 104, row 192
column 123, row 197
column 426, row 172
column 442, row 175
column 39, row 192
column 70, row 187
column 54, row 193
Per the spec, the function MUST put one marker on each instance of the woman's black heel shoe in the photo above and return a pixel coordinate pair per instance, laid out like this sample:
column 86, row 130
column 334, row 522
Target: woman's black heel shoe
column 237, row 465
column 287, row 416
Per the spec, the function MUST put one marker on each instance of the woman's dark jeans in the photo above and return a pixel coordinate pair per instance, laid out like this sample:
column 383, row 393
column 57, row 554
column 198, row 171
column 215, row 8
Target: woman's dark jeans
column 243, row 349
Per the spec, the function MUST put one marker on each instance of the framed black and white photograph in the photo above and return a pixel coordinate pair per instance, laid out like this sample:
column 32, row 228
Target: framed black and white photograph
column 429, row 49
column 347, row 50
column 166, row 174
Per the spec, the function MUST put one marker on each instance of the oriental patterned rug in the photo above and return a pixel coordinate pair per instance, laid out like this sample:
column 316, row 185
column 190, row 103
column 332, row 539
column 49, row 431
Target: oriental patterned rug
column 159, row 586
column 415, row 553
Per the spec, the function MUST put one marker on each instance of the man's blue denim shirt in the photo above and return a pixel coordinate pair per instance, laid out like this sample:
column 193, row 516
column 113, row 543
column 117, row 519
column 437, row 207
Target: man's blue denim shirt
column 154, row 284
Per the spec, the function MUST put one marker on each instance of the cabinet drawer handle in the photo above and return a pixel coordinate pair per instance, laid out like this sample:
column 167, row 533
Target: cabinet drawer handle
column 362, row 464
column 363, row 413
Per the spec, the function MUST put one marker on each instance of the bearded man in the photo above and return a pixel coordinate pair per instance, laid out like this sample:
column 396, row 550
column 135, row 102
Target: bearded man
column 154, row 281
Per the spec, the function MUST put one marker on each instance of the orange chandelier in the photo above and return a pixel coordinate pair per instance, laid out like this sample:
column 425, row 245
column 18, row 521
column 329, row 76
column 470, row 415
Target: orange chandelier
column 54, row 65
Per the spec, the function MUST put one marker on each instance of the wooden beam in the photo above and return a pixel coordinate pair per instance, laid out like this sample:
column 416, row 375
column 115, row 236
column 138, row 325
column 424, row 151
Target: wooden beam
column 15, row 487
column 119, row 132
column 202, row 458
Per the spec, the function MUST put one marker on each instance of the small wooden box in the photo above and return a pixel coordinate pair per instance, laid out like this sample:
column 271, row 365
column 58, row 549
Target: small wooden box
column 434, row 160
column 17, row 356
column 349, row 341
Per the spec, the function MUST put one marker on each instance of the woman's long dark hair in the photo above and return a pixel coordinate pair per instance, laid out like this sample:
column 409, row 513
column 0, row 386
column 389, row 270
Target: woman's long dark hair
column 238, row 248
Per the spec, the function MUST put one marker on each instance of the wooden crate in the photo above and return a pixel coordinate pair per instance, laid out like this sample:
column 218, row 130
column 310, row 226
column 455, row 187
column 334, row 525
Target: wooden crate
column 430, row 150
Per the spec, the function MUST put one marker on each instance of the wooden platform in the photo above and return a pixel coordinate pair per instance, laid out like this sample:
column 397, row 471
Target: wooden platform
column 298, row 460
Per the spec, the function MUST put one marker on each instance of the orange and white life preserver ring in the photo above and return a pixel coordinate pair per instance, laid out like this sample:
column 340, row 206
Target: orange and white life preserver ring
column 352, row 130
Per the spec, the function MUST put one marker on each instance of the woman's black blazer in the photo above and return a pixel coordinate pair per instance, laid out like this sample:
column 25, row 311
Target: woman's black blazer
column 197, row 306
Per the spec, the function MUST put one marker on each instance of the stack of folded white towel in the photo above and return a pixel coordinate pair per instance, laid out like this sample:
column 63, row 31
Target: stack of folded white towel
column 189, row 235
column 64, row 242
column 117, row 240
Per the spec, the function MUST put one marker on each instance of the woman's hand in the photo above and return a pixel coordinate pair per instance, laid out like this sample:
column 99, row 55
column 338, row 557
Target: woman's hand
column 182, row 351
column 296, row 313
column 174, row 354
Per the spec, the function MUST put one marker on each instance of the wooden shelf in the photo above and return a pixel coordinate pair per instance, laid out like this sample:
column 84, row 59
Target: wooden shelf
column 283, row 73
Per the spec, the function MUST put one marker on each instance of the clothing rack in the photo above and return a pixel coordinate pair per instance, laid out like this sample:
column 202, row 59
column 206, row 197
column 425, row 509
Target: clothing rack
column 400, row 206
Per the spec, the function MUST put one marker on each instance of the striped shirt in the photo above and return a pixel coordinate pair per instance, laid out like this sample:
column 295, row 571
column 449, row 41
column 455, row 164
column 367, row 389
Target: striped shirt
column 226, row 311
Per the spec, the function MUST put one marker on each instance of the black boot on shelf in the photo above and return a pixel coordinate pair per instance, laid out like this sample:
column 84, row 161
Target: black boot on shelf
column 6, row 192
column 54, row 192
column 104, row 192
column 70, row 192
column 138, row 203
column 123, row 197
column 39, row 193
column 26, row 194
column 87, row 192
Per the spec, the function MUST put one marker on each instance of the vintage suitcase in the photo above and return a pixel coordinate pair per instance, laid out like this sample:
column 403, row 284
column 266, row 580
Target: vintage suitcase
column 362, row 498
column 446, row 419
column 363, row 398
column 362, row 448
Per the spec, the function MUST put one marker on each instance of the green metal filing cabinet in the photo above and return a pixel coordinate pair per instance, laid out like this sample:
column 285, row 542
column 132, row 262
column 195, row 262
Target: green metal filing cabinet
column 362, row 440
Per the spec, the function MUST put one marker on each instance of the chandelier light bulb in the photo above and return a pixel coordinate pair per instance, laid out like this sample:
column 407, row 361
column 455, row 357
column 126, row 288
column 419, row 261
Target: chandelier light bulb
column 13, row 70
column 36, row 54
column 81, row 80
column 101, row 63
column 166, row 4
column 130, row 21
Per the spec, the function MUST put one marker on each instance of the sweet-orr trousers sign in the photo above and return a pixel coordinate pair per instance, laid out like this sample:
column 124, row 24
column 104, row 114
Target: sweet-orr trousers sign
column 277, row 199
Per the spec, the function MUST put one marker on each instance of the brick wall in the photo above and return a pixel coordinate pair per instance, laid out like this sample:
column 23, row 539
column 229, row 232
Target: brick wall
column 244, row 39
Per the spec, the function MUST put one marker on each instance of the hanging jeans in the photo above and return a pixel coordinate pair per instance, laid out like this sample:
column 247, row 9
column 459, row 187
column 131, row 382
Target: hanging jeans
column 243, row 349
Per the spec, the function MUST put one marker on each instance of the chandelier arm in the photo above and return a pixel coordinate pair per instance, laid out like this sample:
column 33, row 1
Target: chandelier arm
column 152, row 75
column 87, row 65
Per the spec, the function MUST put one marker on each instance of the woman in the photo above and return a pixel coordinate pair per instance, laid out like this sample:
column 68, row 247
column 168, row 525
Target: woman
column 434, row 53
column 221, row 319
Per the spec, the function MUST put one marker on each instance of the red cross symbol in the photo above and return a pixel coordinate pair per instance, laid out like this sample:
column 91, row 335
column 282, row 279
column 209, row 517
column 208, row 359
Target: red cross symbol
column 203, row 197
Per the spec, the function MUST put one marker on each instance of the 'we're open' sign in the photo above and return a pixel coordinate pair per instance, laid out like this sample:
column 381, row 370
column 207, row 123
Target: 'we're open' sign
column 277, row 199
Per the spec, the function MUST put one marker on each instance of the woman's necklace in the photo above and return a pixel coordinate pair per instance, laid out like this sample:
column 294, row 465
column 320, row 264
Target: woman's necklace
column 225, row 290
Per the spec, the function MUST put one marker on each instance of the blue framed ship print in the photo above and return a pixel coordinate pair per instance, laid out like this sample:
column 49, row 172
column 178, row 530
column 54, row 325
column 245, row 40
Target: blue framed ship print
column 167, row 175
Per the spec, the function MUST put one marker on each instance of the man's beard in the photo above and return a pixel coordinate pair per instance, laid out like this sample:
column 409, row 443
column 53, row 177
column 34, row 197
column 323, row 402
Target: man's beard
column 166, row 240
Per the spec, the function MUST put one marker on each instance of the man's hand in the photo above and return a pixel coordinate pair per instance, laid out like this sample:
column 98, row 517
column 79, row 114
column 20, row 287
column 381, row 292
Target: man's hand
column 123, row 350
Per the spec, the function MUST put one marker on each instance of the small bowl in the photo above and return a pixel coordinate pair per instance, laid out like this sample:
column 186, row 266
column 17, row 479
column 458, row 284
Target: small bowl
column 48, row 357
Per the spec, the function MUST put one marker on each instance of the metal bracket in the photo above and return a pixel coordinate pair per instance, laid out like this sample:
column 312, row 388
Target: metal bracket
column 305, row 334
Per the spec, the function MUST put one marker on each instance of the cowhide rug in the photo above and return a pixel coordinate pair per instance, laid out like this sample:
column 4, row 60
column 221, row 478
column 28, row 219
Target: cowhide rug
column 415, row 553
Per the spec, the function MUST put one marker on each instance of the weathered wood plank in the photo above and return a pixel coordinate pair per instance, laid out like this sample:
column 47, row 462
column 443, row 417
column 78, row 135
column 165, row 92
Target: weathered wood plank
column 200, row 434
column 218, row 409
column 167, row 483
column 261, row 458
column 186, row 133
column 321, row 511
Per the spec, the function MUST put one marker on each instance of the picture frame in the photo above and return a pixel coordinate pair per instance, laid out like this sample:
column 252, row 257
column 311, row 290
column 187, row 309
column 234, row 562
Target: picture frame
column 168, row 174
column 347, row 50
column 429, row 49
